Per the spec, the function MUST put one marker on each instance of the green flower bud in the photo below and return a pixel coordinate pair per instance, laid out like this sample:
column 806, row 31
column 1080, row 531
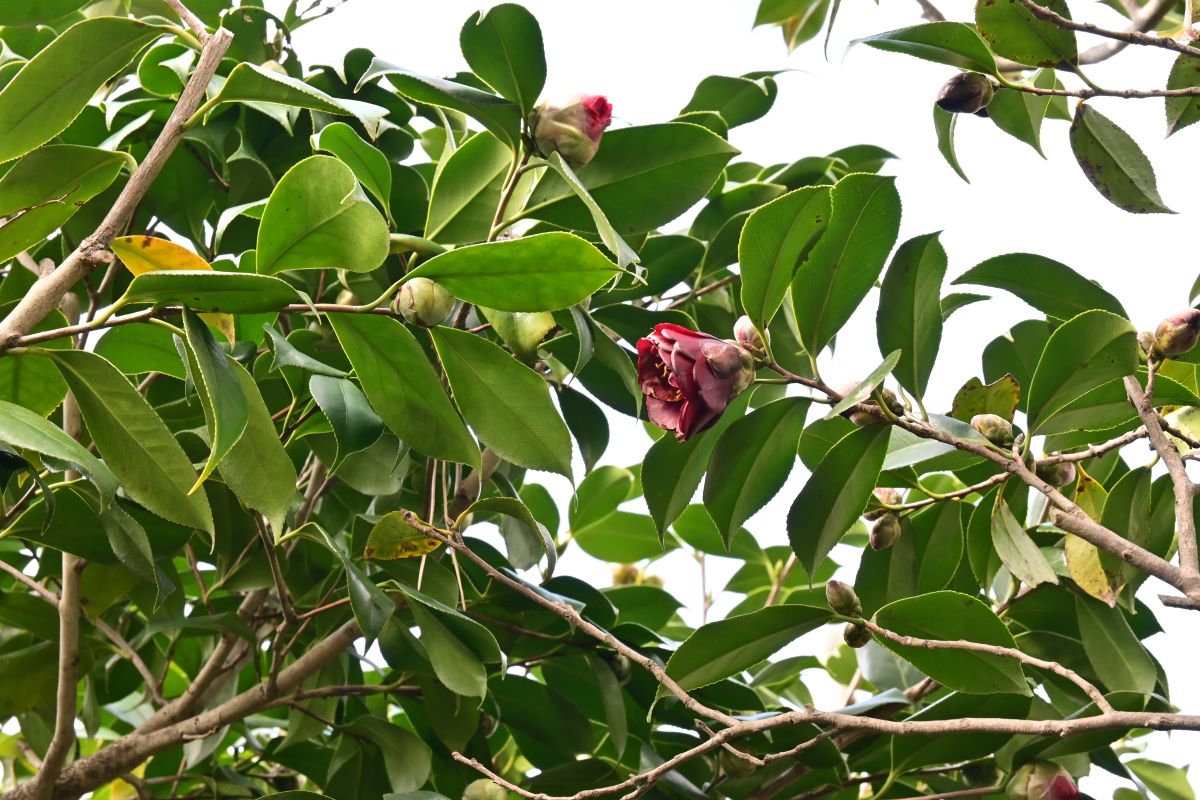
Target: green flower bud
column 423, row 302
column 966, row 93
column 842, row 599
column 885, row 495
column 1177, row 334
column 1060, row 474
column 572, row 130
column 484, row 789
column 995, row 428
column 856, row 635
column 885, row 531
column 626, row 575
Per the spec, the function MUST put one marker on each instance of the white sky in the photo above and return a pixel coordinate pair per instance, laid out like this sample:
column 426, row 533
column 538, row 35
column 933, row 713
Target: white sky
column 648, row 55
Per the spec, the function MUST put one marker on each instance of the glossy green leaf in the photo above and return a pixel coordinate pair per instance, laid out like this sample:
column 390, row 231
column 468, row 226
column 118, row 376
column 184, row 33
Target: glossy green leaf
column 141, row 348
column 407, row 759
column 847, row 260
column 1018, row 552
column 466, row 191
column 738, row 100
column 1114, row 163
column 53, row 87
column 1116, row 655
column 355, row 424
column 1166, row 781
column 135, row 443
column 503, row 46
column 910, row 312
column 751, row 462
column 369, row 165
column 230, row 292
column 1088, row 350
column 608, row 235
column 543, row 272
column 724, row 648
column 622, row 537
column 526, row 539
column 951, row 616
column 1020, row 114
column 33, row 381
column 1129, row 516
column 26, row 430
column 36, row 12
column 953, row 43
column 775, row 240
column 959, row 300
column 944, row 123
column 611, row 699
column 1048, row 285
column 221, row 396
column 836, row 494
column 317, row 218
column 910, row 752
column 1015, row 33
column 866, row 387
column 506, row 403
column 285, row 354
column 1183, row 111
column 372, row 607
column 402, row 386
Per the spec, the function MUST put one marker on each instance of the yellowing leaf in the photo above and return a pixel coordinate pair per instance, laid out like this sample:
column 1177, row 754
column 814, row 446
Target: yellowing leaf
column 392, row 538
column 142, row 254
column 1083, row 559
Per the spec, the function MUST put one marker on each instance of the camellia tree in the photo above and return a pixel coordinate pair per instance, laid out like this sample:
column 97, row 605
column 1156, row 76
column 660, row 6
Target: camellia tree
column 284, row 348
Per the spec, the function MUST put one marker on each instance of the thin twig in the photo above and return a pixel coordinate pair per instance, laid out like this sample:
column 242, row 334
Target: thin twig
column 191, row 20
column 1127, row 36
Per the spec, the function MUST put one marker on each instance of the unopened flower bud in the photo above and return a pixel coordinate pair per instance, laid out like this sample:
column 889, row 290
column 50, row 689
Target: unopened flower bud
column 572, row 130
column 885, row 531
column 842, row 599
column 620, row 665
column 995, row 428
column 484, row 789
column 423, row 302
column 885, row 496
column 966, row 93
column 981, row 773
column 652, row 580
column 1060, row 474
column 856, row 635
column 1042, row 780
column 626, row 575
column 488, row 724
column 748, row 336
column 1177, row 334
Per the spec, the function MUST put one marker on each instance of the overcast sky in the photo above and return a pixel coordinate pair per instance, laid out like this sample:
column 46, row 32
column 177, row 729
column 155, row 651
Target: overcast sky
column 648, row 55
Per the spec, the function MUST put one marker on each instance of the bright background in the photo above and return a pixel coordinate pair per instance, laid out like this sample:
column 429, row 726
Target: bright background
column 648, row 55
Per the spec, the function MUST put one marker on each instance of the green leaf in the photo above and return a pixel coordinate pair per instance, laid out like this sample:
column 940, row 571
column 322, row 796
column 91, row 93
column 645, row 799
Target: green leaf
column 525, row 538
column 1020, row 114
column 944, row 123
column 130, row 544
column 506, row 403
column 1018, row 552
column 50, row 90
column 1114, row 163
column 622, row 537
column 1127, row 512
column 752, row 461
column 407, row 759
column 847, row 260
column 1119, row 659
column 950, row 616
column 1166, row 781
column 643, row 177
column 1049, row 286
column 724, row 648
column 372, row 607
column 1183, row 111
column 355, row 424
column 250, row 83
column 611, row 700
column 775, row 240
column 45, row 188
column 25, row 430
column 33, row 381
column 608, row 235
column 910, row 312
column 958, row 300
column 587, row 423
column 285, row 354
column 999, row 397
column 544, row 272
column 317, row 218
column 499, row 116
column 403, row 388
column 134, row 441
column 953, row 43
column 466, row 191
column 866, row 386
column 1016, row 34
column 392, row 537
column 503, row 46
column 220, row 393
column 1088, row 350
column 911, row 752
column 737, row 99
column 202, row 290
column 836, row 494
column 36, row 12
column 257, row 468
column 369, row 165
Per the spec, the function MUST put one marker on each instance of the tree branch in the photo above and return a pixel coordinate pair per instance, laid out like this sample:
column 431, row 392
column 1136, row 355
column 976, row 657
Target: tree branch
column 1128, row 36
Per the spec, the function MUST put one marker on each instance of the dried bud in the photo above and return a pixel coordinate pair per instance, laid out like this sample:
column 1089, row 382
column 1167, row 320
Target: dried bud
column 884, row 495
column 749, row 336
column 488, row 724
column 652, row 580
column 573, row 130
column 423, row 302
column 1060, row 474
column 484, row 789
column 626, row 575
column 885, row 531
column 842, row 599
column 981, row 773
column 966, row 93
column 856, row 635
column 1177, row 334
column 995, row 428
column 1042, row 780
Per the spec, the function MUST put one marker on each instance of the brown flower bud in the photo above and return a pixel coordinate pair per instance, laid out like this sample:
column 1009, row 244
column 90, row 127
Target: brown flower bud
column 966, row 93
column 423, row 302
column 885, row 531
column 1060, row 474
column 1042, row 780
column 883, row 495
column 626, row 575
column 749, row 337
column 484, row 789
column 856, row 635
column 1177, row 334
column 995, row 428
column 842, row 599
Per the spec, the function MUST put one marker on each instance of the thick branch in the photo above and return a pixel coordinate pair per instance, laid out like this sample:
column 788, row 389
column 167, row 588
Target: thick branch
column 68, row 677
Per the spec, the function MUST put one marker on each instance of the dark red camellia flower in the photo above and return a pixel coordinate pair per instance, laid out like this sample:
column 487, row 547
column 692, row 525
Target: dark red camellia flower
column 689, row 377
column 1063, row 788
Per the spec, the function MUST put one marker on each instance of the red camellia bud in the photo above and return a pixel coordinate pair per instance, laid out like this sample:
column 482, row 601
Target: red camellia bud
column 572, row 130
column 689, row 378
column 1177, row 334
column 1042, row 781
